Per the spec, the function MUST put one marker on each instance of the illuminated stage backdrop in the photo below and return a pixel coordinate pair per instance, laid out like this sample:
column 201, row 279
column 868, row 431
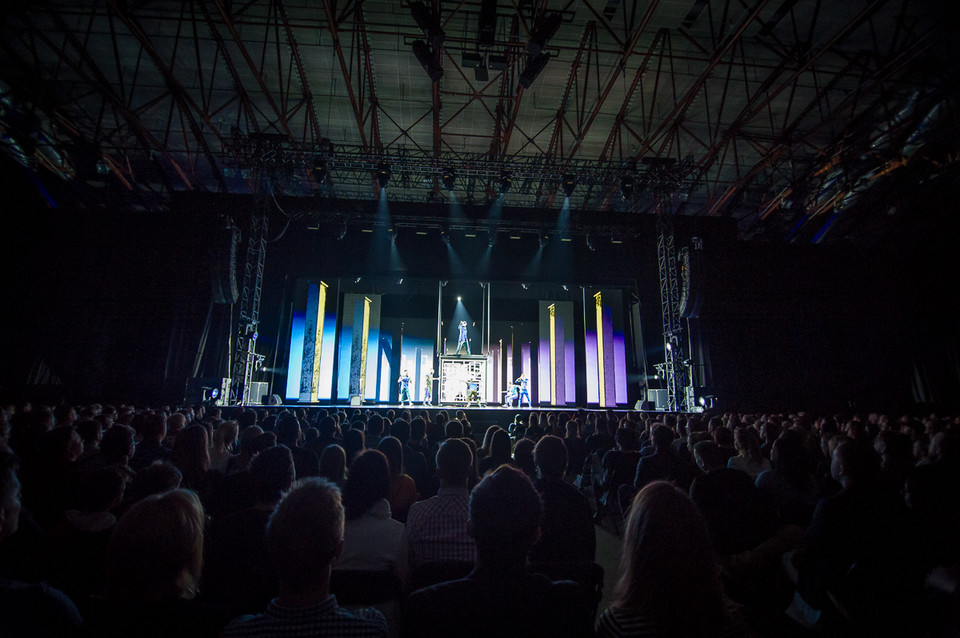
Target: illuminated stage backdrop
column 364, row 367
column 557, row 381
column 312, row 334
column 605, row 347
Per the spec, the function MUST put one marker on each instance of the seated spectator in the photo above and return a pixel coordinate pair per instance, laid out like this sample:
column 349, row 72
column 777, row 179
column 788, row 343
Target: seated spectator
column 290, row 434
column 789, row 486
column 669, row 583
column 28, row 609
column 153, row 431
column 240, row 574
column 618, row 468
column 846, row 528
column 523, row 457
column 191, row 455
column 90, row 431
column 414, row 462
column 333, row 465
column 500, row 451
column 736, row 514
column 371, row 538
column 500, row 596
column 436, row 530
column 79, row 540
column 240, row 462
column 403, row 491
column 663, row 464
column 353, row 444
column 224, row 441
column 304, row 536
column 154, row 561
column 576, row 449
column 566, row 532
column 749, row 457
column 156, row 478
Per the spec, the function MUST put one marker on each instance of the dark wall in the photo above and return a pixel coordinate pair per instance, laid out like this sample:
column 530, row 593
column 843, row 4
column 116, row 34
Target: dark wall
column 111, row 305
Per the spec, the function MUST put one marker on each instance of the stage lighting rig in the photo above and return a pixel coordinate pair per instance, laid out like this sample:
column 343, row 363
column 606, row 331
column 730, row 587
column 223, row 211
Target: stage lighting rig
column 449, row 178
column 505, row 181
column 383, row 174
column 568, row 182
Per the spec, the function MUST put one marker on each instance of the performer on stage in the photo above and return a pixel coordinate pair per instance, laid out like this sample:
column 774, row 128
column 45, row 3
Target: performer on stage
column 512, row 395
column 473, row 393
column 428, row 387
column 523, row 382
column 462, row 338
column 404, row 382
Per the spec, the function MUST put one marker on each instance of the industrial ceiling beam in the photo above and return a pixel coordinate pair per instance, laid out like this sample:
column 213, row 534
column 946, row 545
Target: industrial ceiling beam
column 186, row 104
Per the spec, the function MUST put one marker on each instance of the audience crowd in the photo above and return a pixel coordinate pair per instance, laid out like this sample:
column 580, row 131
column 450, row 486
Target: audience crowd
column 208, row 521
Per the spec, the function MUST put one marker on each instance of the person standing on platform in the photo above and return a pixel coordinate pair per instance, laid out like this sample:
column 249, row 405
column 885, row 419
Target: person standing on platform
column 404, row 382
column 462, row 338
column 428, row 388
column 523, row 382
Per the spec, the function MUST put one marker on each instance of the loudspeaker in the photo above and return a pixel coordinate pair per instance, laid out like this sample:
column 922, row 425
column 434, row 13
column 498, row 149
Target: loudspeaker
column 258, row 390
column 356, row 401
column 647, row 406
column 224, row 266
column 658, row 398
column 271, row 399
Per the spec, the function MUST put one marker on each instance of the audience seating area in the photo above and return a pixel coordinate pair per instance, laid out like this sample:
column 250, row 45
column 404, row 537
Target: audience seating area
column 814, row 525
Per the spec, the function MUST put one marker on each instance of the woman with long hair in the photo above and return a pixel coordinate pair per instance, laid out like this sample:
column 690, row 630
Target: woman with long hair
column 191, row 454
column 749, row 458
column 224, row 442
column 669, row 580
column 403, row 491
column 371, row 538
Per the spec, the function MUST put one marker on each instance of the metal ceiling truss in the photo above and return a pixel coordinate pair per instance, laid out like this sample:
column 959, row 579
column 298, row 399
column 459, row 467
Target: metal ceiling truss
column 748, row 100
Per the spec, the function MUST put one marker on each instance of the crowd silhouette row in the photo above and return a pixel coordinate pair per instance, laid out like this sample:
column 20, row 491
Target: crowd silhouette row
column 208, row 521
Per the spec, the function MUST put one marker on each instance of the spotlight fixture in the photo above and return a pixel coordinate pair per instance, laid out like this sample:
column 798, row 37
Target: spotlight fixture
column 670, row 346
column 505, row 181
column 342, row 230
column 535, row 66
column 448, row 179
column 445, row 237
column 102, row 167
column 357, row 280
column 320, row 170
column 427, row 60
column 626, row 187
column 542, row 239
column 591, row 243
column 459, row 298
column 399, row 281
column 568, row 182
column 525, row 286
column 383, row 174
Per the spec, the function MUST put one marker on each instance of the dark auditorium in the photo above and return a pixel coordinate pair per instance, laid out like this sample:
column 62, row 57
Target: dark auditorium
column 480, row 319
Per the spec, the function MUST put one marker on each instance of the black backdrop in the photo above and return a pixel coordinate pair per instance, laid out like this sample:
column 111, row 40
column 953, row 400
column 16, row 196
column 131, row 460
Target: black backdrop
column 109, row 304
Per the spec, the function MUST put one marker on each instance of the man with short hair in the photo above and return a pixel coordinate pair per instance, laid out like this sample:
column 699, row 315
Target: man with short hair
column 436, row 528
column 290, row 433
column 500, row 597
column 304, row 536
column 567, row 532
